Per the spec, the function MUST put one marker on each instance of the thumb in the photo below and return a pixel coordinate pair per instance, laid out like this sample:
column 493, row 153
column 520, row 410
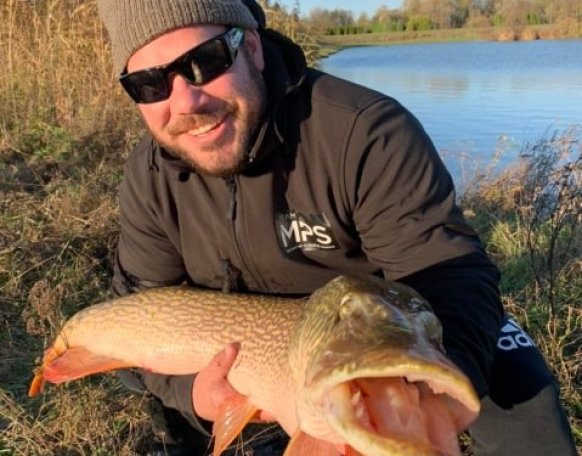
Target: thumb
column 221, row 363
column 211, row 386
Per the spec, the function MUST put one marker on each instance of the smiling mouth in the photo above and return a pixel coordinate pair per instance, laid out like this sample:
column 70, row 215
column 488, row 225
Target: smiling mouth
column 207, row 127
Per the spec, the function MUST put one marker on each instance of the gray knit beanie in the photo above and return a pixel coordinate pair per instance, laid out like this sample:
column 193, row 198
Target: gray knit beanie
column 133, row 23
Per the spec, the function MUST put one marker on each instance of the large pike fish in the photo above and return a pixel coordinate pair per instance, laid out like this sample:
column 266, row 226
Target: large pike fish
column 357, row 368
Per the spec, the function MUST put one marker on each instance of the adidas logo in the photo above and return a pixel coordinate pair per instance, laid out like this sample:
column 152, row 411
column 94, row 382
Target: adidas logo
column 513, row 337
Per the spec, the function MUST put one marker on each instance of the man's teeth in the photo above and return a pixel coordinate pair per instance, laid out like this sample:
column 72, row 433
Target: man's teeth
column 204, row 129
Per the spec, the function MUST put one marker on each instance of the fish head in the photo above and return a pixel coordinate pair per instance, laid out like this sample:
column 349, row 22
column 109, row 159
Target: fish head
column 371, row 367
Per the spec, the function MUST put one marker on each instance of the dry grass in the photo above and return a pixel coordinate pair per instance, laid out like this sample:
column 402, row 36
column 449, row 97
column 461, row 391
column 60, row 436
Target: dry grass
column 56, row 70
column 64, row 129
column 64, row 125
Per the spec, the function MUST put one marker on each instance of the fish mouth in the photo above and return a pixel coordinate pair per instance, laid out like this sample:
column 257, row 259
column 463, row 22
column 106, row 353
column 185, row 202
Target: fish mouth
column 415, row 408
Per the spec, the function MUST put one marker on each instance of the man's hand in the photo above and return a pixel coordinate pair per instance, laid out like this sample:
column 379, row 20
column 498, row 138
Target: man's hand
column 211, row 388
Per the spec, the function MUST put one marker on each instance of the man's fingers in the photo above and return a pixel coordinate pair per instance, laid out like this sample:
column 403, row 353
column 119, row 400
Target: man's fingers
column 211, row 387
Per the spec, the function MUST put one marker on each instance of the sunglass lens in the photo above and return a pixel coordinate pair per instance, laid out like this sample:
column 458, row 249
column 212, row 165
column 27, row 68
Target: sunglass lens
column 207, row 62
column 147, row 86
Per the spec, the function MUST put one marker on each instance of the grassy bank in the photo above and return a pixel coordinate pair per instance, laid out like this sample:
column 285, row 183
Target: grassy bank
column 530, row 219
column 65, row 128
column 566, row 30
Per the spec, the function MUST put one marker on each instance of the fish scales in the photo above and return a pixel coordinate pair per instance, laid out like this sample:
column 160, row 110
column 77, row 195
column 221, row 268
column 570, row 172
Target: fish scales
column 178, row 330
column 208, row 318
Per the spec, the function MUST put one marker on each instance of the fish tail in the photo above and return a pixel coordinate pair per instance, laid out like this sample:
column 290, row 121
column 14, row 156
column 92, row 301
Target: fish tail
column 37, row 384
column 38, row 381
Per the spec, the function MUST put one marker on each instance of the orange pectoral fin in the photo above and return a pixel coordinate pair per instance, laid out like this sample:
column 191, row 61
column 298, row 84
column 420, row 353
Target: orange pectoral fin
column 233, row 415
column 349, row 451
column 302, row 444
column 79, row 362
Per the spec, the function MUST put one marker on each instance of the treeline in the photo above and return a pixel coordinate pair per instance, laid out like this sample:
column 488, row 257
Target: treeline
column 419, row 15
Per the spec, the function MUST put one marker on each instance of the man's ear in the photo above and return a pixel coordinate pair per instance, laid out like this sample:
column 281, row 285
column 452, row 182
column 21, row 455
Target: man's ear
column 254, row 48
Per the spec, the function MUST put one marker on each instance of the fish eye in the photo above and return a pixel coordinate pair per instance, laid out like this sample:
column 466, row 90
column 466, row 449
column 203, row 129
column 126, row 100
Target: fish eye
column 417, row 305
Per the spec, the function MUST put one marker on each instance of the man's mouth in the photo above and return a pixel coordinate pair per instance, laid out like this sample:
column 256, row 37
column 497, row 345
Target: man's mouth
column 203, row 124
column 203, row 130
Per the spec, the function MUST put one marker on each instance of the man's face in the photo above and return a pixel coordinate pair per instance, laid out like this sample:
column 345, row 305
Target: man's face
column 210, row 127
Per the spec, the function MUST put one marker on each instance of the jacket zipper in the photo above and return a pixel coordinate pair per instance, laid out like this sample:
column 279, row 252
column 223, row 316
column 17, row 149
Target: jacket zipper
column 232, row 216
column 232, row 190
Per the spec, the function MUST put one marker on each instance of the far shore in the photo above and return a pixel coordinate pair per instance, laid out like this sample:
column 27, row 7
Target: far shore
column 331, row 44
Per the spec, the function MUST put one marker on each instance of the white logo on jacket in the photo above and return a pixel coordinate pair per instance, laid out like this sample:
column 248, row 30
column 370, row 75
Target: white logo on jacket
column 513, row 337
column 304, row 231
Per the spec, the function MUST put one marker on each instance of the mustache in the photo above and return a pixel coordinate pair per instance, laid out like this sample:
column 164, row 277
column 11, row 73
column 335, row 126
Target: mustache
column 189, row 122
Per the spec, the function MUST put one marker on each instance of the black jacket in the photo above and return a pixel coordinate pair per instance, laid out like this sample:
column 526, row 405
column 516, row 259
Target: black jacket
column 342, row 179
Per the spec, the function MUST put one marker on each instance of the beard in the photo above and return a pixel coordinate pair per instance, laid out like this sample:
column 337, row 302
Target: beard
column 229, row 154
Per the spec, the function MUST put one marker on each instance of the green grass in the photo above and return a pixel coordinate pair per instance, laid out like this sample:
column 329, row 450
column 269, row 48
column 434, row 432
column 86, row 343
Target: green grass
column 61, row 155
column 563, row 30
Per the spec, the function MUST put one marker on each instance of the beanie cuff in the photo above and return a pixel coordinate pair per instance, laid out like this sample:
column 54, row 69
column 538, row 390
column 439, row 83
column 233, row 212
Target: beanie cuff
column 134, row 23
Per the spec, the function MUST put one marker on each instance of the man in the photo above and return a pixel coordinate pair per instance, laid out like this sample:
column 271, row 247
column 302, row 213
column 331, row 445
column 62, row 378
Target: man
column 261, row 175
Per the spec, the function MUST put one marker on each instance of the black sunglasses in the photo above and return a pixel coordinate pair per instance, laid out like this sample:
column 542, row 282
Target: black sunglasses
column 199, row 65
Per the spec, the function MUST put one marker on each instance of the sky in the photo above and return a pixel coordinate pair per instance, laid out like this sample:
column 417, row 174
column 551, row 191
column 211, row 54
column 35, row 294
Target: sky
column 356, row 6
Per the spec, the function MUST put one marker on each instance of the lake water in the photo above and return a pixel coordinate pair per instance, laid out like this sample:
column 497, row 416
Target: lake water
column 475, row 99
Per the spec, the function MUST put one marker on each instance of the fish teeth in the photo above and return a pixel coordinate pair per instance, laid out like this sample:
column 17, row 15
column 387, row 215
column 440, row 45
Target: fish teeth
column 356, row 397
column 359, row 406
column 339, row 400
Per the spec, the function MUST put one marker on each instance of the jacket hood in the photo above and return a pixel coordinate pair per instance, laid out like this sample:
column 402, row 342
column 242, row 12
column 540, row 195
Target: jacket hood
column 284, row 73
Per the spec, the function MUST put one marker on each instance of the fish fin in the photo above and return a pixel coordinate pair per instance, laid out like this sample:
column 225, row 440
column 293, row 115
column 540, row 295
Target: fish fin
column 37, row 384
column 349, row 451
column 302, row 444
column 233, row 415
column 79, row 362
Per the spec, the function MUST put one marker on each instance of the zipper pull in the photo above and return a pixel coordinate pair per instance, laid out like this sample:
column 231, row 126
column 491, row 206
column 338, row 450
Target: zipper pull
column 231, row 212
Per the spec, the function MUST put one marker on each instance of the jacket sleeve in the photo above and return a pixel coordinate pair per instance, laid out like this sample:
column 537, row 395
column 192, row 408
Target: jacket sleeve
column 146, row 258
column 403, row 201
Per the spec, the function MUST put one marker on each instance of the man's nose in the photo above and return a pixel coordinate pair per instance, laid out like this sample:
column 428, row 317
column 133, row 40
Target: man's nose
column 185, row 97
